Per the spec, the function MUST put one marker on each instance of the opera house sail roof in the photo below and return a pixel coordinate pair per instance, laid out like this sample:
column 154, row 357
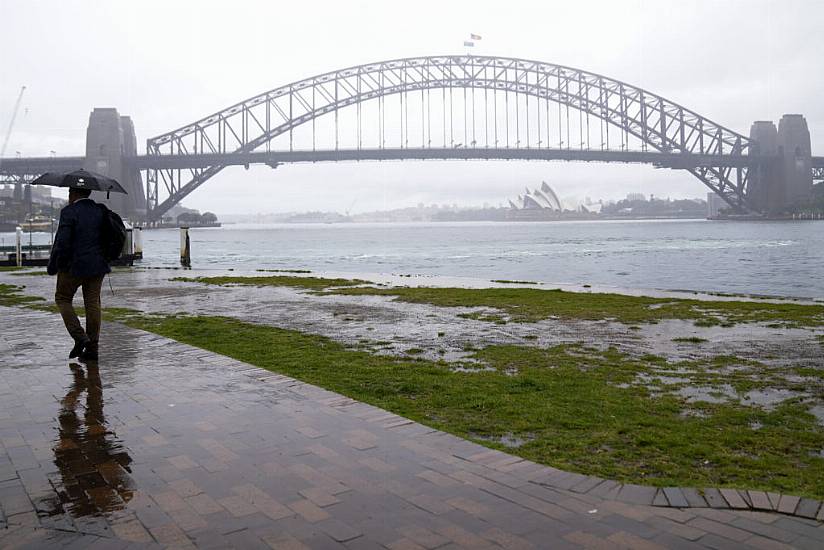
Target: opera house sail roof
column 538, row 199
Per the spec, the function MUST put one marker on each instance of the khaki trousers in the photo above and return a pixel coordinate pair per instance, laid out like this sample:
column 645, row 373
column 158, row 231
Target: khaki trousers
column 67, row 285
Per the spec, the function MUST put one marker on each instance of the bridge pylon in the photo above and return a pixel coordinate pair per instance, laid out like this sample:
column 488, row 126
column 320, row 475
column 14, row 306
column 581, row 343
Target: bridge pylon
column 109, row 138
column 786, row 179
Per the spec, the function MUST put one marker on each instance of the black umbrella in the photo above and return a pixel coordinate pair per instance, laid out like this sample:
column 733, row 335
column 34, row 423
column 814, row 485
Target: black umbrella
column 80, row 179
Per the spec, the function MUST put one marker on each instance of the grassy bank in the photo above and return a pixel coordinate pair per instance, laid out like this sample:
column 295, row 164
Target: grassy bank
column 530, row 304
column 577, row 408
column 571, row 407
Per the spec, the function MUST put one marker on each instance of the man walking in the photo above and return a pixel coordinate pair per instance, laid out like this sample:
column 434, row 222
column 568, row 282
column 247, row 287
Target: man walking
column 77, row 260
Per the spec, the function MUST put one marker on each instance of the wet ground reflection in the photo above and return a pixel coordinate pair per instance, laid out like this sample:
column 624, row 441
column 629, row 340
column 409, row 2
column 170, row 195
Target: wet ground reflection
column 92, row 461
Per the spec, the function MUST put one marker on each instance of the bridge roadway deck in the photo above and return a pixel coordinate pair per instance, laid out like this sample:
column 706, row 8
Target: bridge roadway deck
column 164, row 444
column 39, row 165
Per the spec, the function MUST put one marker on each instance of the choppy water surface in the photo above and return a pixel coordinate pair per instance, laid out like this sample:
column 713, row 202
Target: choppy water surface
column 775, row 258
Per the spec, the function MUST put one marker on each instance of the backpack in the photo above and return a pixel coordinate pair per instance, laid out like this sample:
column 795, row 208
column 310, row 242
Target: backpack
column 112, row 234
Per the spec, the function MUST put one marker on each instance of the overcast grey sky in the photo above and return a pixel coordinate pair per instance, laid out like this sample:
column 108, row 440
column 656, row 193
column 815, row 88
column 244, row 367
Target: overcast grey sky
column 169, row 63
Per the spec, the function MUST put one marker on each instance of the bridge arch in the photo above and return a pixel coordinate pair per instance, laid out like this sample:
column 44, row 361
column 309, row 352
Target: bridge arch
column 656, row 122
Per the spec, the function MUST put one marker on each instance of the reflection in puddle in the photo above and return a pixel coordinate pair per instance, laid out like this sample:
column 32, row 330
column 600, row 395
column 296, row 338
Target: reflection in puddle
column 93, row 464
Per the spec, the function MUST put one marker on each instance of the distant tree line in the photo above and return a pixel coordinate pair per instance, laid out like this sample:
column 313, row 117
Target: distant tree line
column 814, row 205
column 195, row 218
column 657, row 207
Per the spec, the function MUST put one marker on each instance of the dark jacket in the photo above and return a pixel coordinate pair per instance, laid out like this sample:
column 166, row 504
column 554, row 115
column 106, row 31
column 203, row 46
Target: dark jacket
column 77, row 249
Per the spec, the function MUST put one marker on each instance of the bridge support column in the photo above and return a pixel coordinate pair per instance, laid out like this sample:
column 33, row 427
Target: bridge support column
column 776, row 186
column 796, row 155
column 110, row 137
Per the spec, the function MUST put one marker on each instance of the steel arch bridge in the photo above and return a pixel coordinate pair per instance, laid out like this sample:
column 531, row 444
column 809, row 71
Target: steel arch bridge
column 510, row 94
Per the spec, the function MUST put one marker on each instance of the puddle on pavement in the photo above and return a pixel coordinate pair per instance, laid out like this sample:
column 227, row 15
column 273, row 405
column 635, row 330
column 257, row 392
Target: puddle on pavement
column 508, row 440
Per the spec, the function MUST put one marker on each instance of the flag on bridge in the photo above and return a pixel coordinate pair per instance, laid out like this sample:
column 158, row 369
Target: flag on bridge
column 475, row 36
column 469, row 44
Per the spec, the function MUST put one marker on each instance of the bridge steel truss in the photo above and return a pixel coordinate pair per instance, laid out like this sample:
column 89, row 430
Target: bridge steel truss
column 658, row 123
column 818, row 174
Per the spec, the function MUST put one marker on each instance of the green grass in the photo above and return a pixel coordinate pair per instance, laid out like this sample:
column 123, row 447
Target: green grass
column 578, row 408
column 31, row 273
column 284, row 270
column 10, row 268
column 481, row 316
column 508, row 282
column 690, row 340
column 11, row 295
column 530, row 305
column 310, row 283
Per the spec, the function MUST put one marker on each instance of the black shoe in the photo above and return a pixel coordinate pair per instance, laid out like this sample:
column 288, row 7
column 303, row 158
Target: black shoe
column 88, row 355
column 77, row 350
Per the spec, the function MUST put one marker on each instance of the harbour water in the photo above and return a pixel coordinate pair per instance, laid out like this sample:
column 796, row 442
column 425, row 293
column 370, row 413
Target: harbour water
column 769, row 258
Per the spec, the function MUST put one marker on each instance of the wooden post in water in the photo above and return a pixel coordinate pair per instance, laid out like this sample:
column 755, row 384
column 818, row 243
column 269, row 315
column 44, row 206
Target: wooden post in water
column 137, row 242
column 19, row 249
column 185, row 250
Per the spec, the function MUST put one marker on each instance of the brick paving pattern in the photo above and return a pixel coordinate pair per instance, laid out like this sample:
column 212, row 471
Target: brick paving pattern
column 166, row 445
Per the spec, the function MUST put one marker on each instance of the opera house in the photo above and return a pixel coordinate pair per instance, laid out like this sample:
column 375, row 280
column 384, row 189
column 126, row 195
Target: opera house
column 543, row 204
column 538, row 199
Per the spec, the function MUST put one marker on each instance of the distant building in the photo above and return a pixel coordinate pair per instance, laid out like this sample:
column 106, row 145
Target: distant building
column 40, row 194
column 636, row 197
column 714, row 205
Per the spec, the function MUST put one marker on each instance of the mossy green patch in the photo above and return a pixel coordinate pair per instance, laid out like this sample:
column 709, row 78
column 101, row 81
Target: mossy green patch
column 689, row 340
column 483, row 316
column 530, row 304
column 31, row 273
column 11, row 295
column 311, row 283
column 284, row 270
column 575, row 408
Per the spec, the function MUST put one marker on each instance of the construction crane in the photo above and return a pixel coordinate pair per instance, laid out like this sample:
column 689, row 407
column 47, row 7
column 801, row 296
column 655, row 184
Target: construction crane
column 11, row 123
column 350, row 207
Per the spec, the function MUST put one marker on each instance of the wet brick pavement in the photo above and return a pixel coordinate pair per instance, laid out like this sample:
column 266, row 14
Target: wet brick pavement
column 162, row 444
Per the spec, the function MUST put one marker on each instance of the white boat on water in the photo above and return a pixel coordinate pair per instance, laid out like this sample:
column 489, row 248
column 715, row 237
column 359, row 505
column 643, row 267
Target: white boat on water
column 39, row 224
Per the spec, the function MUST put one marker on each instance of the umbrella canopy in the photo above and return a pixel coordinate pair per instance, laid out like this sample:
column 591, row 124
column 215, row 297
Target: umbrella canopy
column 80, row 179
